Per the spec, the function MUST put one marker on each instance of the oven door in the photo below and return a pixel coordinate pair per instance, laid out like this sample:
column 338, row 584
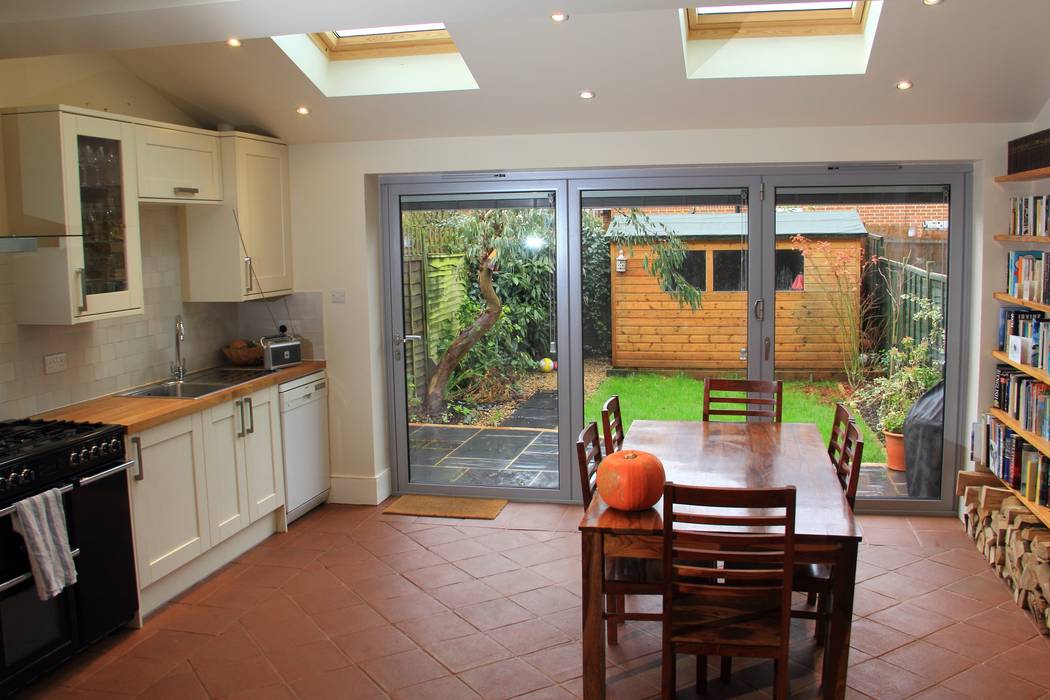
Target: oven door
column 35, row 635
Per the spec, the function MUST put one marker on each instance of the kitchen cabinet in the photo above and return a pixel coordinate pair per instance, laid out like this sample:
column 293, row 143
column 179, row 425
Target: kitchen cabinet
column 168, row 497
column 178, row 165
column 224, row 469
column 263, row 453
column 242, row 249
column 70, row 179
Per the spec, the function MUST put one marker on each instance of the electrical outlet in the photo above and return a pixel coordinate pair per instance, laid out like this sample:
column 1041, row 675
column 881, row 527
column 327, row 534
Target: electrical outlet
column 338, row 296
column 290, row 324
column 55, row 363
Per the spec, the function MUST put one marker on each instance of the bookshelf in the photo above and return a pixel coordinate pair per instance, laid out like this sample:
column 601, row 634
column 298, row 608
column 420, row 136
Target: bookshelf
column 1041, row 444
column 1034, row 305
column 1033, row 372
column 1025, row 176
column 1004, row 238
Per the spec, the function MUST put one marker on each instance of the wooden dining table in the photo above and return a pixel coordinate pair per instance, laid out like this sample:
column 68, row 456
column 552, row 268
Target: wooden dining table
column 742, row 455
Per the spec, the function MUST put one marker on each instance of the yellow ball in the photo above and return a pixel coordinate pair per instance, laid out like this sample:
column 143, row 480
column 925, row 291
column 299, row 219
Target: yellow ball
column 546, row 365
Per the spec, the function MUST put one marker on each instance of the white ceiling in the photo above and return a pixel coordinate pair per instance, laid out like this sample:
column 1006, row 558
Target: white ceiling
column 970, row 60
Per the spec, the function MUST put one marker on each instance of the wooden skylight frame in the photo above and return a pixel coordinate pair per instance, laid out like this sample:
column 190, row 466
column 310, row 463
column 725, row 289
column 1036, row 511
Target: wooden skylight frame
column 384, row 45
column 812, row 22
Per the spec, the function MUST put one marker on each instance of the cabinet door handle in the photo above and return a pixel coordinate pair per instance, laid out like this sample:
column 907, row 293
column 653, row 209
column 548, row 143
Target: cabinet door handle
column 248, row 270
column 251, row 415
column 140, row 474
column 240, row 407
column 186, row 190
column 82, row 285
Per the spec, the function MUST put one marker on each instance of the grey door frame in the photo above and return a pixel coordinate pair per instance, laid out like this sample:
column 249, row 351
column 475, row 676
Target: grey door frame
column 761, row 182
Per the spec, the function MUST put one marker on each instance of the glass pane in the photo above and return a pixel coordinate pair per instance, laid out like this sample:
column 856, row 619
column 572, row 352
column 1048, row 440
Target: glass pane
column 102, row 215
column 480, row 315
column 664, row 300
column 861, row 295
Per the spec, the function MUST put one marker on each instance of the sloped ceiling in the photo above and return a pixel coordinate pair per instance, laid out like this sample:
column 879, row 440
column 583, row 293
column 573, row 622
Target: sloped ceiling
column 970, row 60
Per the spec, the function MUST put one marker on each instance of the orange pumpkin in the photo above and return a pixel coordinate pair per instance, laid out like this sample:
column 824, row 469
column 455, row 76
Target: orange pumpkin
column 631, row 480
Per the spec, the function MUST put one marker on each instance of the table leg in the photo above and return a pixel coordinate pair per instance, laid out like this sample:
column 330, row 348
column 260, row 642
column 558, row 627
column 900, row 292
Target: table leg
column 593, row 629
column 836, row 653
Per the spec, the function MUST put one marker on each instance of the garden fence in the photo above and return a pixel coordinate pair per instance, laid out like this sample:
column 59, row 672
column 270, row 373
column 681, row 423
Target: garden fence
column 896, row 279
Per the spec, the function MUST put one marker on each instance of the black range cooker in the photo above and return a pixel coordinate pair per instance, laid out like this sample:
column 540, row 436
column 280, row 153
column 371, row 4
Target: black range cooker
column 86, row 462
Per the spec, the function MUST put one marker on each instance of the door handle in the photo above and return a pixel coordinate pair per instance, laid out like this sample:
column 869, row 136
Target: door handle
column 137, row 442
column 248, row 270
column 240, row 407
column 404, row 341
column 766, row 344
column 82, row 284
column 108, row 473
column 251, row 415
column 186, row 190
column 759, row 309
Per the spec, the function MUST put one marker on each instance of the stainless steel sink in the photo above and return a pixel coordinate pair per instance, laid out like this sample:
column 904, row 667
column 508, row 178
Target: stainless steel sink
column 172, row 389
column 226, row 376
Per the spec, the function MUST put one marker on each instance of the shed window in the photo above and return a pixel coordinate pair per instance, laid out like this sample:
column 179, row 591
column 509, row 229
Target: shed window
column 694, row 270
column 730, row 268
column 790, row 271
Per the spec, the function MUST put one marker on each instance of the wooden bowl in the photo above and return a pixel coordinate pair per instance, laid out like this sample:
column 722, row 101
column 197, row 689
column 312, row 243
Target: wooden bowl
column 244, row 356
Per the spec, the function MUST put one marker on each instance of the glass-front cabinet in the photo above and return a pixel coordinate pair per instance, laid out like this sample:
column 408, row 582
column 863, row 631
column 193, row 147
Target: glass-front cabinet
column 71, row 183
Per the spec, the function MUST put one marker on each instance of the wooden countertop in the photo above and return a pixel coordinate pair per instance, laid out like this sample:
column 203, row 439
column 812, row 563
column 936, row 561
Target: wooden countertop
column 139, row 413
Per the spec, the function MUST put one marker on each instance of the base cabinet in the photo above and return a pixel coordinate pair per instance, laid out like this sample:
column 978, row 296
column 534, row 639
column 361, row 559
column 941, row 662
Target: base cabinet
column 202, row 478
column 169, row 504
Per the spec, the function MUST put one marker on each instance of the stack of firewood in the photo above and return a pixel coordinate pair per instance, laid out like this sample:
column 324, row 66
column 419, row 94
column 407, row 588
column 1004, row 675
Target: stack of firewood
column 1015, row 542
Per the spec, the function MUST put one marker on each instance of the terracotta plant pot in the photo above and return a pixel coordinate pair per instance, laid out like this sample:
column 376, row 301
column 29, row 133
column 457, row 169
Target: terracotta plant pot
column 894, row 451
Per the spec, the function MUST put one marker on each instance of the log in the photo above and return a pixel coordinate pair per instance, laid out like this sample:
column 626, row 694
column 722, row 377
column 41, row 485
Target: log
column 964, row 480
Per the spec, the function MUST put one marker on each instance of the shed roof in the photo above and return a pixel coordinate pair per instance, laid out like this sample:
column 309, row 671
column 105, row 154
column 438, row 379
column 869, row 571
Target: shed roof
column 839, row 223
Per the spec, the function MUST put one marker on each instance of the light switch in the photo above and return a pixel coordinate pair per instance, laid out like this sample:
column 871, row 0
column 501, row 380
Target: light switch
column 338, row 296
column 55, row 363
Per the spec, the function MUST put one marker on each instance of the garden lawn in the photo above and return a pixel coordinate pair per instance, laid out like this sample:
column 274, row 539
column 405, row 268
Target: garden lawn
column 678, row 397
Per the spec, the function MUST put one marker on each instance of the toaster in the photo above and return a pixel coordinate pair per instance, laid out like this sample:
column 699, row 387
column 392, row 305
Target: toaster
column 281, row 351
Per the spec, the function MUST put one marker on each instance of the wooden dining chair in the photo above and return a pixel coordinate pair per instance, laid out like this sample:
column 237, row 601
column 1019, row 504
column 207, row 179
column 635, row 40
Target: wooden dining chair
column 612, row 425
column 815, row 579
column 839, row 422
column 621, row 576
column 767, row 404
column 741, row 608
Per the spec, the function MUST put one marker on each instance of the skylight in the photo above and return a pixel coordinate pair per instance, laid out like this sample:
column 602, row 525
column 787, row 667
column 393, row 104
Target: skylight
column 823, row 18
column 395, row 29
column 777, row 7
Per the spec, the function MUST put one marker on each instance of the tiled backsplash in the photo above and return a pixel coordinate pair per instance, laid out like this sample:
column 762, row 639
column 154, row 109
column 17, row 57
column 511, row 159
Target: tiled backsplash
column 115, row 354
column 303, row 310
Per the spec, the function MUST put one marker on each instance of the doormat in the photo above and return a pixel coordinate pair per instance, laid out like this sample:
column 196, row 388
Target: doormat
column 447, row 507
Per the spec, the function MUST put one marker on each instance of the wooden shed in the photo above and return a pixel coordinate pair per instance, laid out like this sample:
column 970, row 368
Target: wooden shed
column 651, row 330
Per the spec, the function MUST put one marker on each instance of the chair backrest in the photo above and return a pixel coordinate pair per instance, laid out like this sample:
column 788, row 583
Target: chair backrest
column 705, row 527
column 838, row 431
column 589, row 456
column 612, row 425
column 849, row 461
column 768, row 405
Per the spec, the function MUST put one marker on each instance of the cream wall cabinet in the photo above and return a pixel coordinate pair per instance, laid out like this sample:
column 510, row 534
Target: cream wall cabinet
column 178, row 166
column 263, row 453
column 224, row 469
column 70, row 179
column 168, row 497
column 242, row 249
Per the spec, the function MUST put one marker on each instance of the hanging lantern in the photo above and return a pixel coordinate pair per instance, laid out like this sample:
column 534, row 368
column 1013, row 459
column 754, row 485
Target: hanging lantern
column 621, row 262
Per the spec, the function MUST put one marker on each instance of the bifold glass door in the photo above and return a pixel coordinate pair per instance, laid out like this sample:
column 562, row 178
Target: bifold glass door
column 477, row 341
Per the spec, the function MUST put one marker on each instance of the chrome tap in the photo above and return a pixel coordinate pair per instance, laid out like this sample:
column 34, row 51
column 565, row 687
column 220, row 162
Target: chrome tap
column 178, row 367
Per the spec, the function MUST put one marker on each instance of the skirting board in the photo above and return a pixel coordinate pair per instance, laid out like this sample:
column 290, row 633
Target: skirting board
column 159, row 593
column 360, row 490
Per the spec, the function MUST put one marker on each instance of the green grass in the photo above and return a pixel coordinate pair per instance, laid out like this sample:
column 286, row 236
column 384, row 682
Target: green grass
column 678, row 397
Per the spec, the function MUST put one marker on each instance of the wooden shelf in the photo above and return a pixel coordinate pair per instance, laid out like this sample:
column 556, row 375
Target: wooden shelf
column 1041, row 444
column 1033, row 372
column 1007, row 299
column 1025, row 176
column 1039, row 240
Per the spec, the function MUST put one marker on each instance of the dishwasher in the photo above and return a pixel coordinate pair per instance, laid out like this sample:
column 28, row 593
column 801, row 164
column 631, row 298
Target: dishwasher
column 304, row 429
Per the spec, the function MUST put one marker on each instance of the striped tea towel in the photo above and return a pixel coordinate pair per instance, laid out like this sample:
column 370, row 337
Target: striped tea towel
column 41, row 521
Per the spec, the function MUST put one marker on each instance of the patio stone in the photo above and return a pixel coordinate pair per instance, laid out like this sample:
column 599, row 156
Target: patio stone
column 539, row 411
column 494, row 477
column 426, row 456
column 434, row 475
column 546, row 480
column 533, row 460
column 495, row 444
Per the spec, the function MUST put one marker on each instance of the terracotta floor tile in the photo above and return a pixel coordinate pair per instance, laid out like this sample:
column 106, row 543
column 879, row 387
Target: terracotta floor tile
column 327, row 600
column 932, row 572
column 239, row 597
column 348, row 683
column 467, row 652
column 512, row 582
column 564, row 571
column 348, row 553
column 447, row 688
column 461, row 549
column 232, row 645
column 437, row 576
column 440, row 534
column 553, row 692
column 571, row 621
column 222, row 676
column 376, row 643
column 866, row 602
column 382, row 587
column 280, row 556
column 269, row 692
column 465, row 593
column 890, row 536
column 953, row 605
column 312, row 581
column 181, row 684
column 911, row 619
column 128, row 675
column 876, row 639
column 961, row 639
column 506, row 539
column 402, row 670
column 883, row 681
column 544, row 601
column 535, row 553
column 944, row 538
column 529, row 636
column 408, row 561
column 1030, row 663
column 984, row 586
column 286, row 633
column 170, row 644
column 1012, row 624
column 195, row 618
column 866, row 571
column 353, row 573
column 307, row 660
column 964, row 559
column 558, row 663
column 494, row 613
column 505, row 679
column 986, row 681
column 409, row 607
column 486, row 565
column 268, row 576
column 435, row 628
column 349, row 620
column 928, row 660
column 897, row 586
column 935, row 522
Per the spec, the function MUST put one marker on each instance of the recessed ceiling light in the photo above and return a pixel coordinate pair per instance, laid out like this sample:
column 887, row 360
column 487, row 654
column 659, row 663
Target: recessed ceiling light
column 932, row 2
column 302, row 109
column 587, row 94
column 559, row 16
column 233, row 41
column 904, row 85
